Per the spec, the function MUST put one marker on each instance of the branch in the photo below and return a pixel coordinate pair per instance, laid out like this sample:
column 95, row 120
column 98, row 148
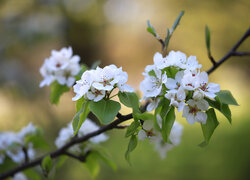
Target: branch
column 63, row 149
column 120, row 118
column 81, row 158
column 232, row 52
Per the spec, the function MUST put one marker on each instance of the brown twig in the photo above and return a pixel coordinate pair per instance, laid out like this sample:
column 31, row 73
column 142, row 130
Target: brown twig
column 232, row 52
column 114, row 124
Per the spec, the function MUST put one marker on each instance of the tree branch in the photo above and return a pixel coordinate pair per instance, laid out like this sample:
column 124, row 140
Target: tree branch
column 63, row 149
column 120, row 118
column 232, row 52
column 81, row 158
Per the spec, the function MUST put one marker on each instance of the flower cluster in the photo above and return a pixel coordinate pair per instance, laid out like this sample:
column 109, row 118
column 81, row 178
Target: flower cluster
column 179, row 79
column 67, row 133
column 96, row 84
column 61, row 66
column 155, row 137
column 12, row 144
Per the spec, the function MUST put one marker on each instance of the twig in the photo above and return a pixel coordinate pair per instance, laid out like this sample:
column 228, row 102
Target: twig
column 114, row 124
column 232, row 52
column 81, row 158
column 63, row 149
column 25, row 155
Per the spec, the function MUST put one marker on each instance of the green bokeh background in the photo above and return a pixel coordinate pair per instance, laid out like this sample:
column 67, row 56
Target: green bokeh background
column 115, row 32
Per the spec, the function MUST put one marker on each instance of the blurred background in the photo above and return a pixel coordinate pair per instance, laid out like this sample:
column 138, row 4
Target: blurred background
column 114, row 31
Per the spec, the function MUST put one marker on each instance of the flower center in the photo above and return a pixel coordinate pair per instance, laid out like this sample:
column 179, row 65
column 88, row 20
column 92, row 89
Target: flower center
column 193, row 110
column 58, row 65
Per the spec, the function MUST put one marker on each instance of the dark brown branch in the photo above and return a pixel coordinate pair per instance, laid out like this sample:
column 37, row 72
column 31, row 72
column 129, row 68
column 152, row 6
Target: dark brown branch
column 114, row 124
column 63, row 149
column 232, row 52
column 25, row 154
column 81, row 158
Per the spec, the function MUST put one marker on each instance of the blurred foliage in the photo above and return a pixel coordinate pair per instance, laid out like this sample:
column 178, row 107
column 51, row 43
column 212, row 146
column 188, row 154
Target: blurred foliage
column 115, row 31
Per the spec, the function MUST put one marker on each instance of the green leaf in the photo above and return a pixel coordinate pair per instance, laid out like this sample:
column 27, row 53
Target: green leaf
column 151, row 29
column 60, row 161
column 56, row 91
column 177, row 21
column 95, row 64
column 80, row 117
column 47, row 165
column 211, row 124
column 227, row 112
column 226, row 97
column 223, row 108
column 144, row 116
column 166, row 42
column 37, row 141
column 79, row 104
column 32, row 174
column 106, row 159
column 158, row 112
column 132, row 128
column 92, row 164
column 129, row 100
column 131, row 146
column 167, row 123
column 104, row 155
column 105, row 111
column 207, row 32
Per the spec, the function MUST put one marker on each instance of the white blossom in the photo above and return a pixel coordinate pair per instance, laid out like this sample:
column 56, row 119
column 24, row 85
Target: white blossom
column 155, row 136
column 177, row 59
column 208, row 89
column 175, row 138
column 94, row 84
column 151, row 86
column 175, row 83
column 159, row 61
column 62, row 66
column 190, row 80
column 194, row 111
column 19, row 176
column 11, row 144
column 67, row 133
column 29, row 129
column 152, row 105
column 177, row 98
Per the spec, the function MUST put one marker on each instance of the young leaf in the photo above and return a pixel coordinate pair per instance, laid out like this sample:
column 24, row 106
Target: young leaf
column 144, row 116
column 129, row 100
column 95, row 64
column 210, row 125
column 166, row 42
column 226, row 97
column 207, row 32
column 223, row 108
column 56, row 91
column 92, row 164
column 167, row 123
column 105, row 111
column 131, row 146
column 80, row 117
column 132, row 128
column 177, row 21
column 104, row 155
column 79, row 104
column 106, row 159
column 47, row 165
column 37, row 141
column 32, row 174
column 151, row 29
